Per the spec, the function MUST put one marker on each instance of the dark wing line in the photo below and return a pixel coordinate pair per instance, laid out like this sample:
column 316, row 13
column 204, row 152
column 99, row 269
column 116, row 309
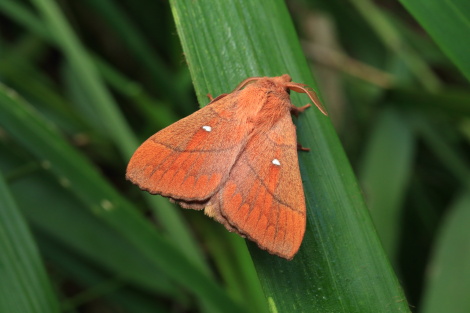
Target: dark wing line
column 189, row 151
column 254, row 201
column 217, row 113
column 194, row 150
column 198, row 156
column 257, row 195
column 269, row 191
column 199, row 151
column 278, row 144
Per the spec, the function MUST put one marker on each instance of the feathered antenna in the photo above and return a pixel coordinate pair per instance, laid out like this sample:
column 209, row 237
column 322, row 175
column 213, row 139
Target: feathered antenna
column 302, row 88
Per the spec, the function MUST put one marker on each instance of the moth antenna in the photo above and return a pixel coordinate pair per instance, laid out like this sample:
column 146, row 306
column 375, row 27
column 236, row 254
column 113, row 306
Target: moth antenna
column 246, row 82
column 212, row 99
column 302, row 88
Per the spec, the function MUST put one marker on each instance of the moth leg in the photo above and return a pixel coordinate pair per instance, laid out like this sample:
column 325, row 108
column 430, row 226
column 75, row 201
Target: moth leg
column 300, row 148
column 296, row 111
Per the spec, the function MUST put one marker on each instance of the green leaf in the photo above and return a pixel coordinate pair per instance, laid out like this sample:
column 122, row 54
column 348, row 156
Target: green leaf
column 24, row 285
column 448, row 23
column 392, row 38
column 142, row 50
column 88, row 76
column 80, row 230
column 341, row 266
column 385, row 172
column 448, row 275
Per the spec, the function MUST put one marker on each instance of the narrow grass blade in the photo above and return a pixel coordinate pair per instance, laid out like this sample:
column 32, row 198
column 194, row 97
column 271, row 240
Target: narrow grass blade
column 448, row 23
column 88, row 76
column 448, row 275
column 385, row 173
column 24, row 285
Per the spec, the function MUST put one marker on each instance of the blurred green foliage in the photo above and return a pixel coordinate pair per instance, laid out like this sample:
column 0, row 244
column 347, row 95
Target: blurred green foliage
column 84, row 82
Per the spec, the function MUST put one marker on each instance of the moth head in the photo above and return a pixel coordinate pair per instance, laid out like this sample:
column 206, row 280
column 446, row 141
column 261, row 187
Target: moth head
column 283, row 79
column 283, row 83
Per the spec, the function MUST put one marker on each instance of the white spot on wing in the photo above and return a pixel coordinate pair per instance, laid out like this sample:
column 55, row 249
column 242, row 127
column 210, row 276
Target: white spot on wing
column 207, row 128
column 276, row 162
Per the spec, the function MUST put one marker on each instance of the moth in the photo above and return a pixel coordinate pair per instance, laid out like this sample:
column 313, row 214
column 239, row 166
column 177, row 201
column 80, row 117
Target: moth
column 236, row 159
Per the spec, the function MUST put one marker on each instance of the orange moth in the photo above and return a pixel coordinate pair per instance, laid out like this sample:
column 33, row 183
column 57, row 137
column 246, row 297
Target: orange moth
column 236, row 158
